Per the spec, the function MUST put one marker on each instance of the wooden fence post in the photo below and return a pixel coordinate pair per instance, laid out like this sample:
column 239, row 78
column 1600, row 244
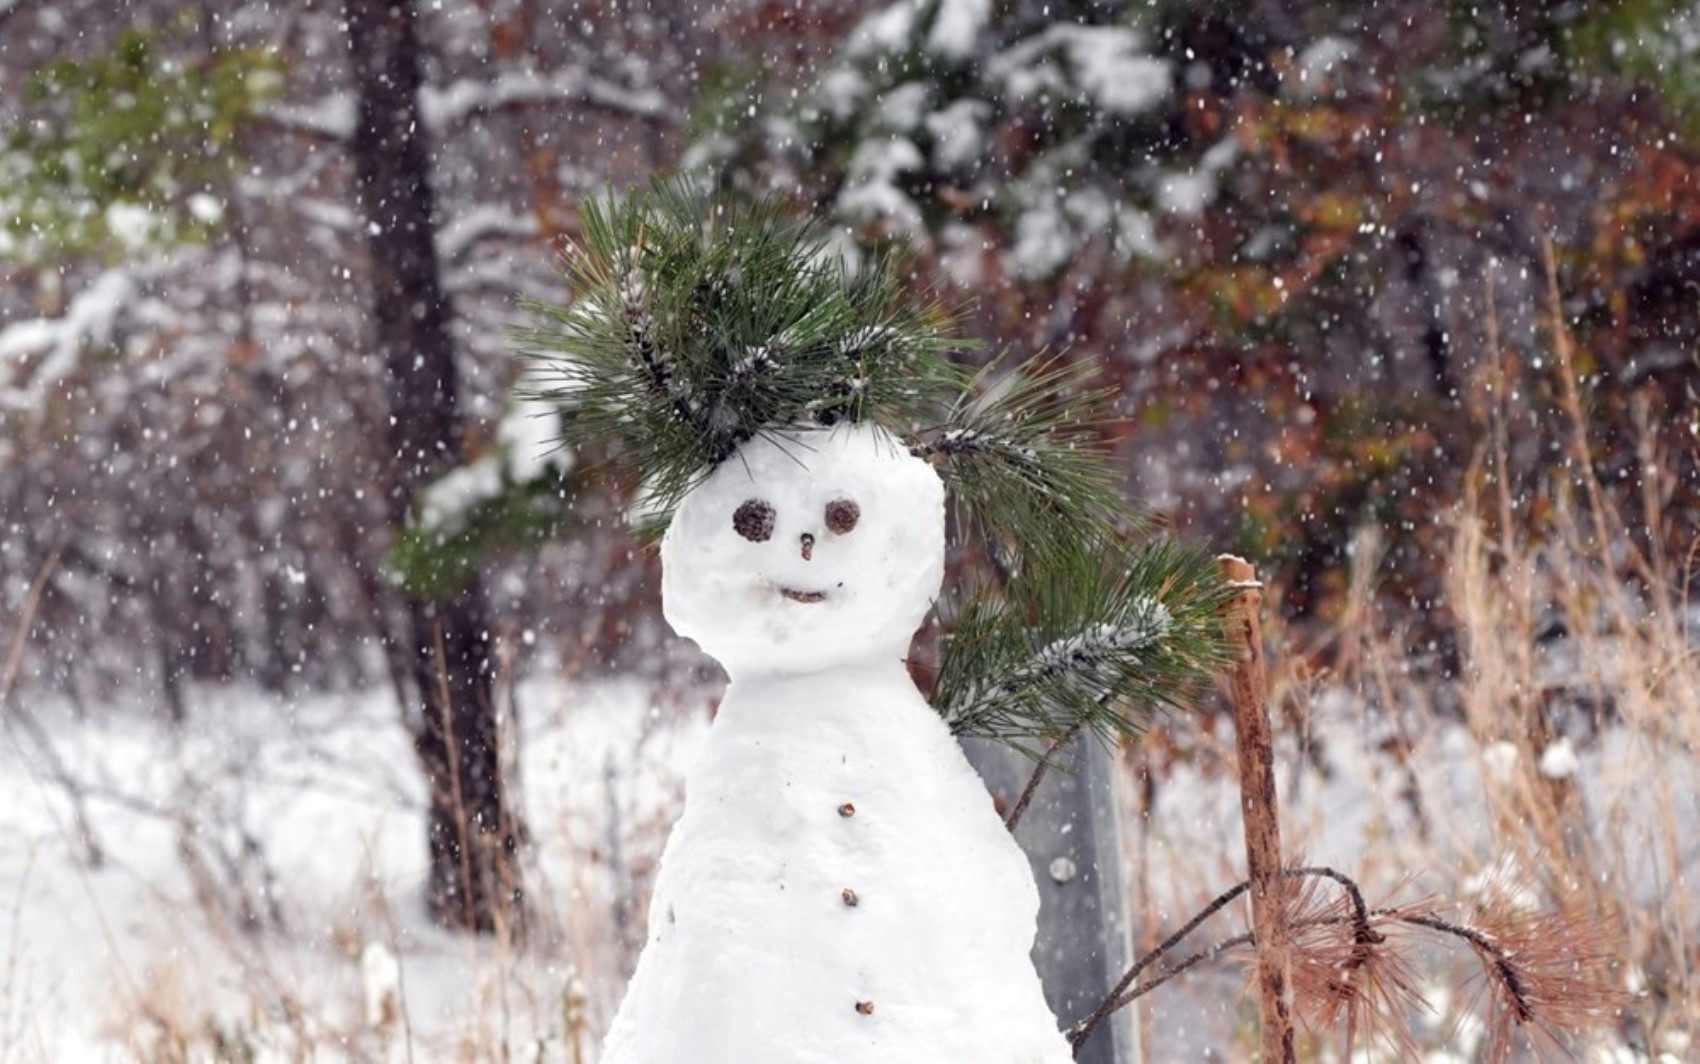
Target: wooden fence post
column 1248, row 685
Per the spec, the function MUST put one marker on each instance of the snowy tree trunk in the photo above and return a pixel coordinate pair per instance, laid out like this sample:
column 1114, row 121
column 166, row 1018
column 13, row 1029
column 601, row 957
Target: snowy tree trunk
column 475, row 876
column 1072, row 837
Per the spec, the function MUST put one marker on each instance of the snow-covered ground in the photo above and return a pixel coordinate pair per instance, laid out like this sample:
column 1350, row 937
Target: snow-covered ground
column 258, row 882
column 258, row 887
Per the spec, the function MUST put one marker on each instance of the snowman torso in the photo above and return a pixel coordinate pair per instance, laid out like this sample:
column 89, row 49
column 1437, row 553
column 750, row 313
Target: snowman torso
column 839, row 888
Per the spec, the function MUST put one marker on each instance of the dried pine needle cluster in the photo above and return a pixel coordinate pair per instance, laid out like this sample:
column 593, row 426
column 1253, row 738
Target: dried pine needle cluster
column 1544, row 973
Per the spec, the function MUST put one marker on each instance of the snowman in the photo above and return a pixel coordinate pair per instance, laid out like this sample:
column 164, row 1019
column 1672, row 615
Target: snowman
column 839, row 888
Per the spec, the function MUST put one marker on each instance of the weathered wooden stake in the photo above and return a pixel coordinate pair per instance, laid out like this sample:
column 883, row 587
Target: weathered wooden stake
column 1255, row 746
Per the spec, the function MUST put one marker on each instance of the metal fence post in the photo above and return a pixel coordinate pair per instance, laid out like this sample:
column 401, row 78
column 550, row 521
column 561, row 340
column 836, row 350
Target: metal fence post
column 1071, row 835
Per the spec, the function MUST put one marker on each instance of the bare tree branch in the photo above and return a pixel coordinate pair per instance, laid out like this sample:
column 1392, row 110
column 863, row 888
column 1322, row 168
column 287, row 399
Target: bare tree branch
column 1039, row 773
column 1119, row 996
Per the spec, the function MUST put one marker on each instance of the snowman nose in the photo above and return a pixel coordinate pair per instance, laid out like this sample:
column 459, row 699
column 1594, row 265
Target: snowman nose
column 808, row 545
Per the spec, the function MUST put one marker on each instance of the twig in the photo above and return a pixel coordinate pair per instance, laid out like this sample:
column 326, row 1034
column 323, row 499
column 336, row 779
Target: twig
column 1360, row 920
column 1113, row 1001
column 14, row 949
column 1181, row 967
column 1538, row 968
column 1039, row 773
column 9, row 677
column 1609, row 526
column 1168, row 972
column 1503, row 966
column 26, row 620
column 388, row 914
column 75, row 791
column 1120, row 996
column 452, row 754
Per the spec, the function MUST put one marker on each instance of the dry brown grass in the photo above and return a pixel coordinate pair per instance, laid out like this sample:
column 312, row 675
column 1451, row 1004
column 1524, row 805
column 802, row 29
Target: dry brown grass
column 1575, row 633
column 1559, row 738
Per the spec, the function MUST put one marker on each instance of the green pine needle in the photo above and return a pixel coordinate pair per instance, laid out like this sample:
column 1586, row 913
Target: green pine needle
column 1099, row 642
column 701, row 321
column 1023, row 463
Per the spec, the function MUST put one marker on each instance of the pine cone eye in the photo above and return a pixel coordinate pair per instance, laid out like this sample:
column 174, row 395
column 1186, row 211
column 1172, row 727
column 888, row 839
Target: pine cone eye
column 753, row 520
column 842, row 515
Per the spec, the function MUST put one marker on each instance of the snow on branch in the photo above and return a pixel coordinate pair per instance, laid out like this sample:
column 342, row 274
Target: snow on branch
column 1109, row 65
column 447, row 106
column 489, row 222
column 330, row 119
column 1092, row 654
column 1063, row 682
column 37, row 353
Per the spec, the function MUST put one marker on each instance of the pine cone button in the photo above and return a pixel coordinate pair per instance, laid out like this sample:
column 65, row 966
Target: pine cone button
column 850, row 898
column 866, row 1008
column 847, row 810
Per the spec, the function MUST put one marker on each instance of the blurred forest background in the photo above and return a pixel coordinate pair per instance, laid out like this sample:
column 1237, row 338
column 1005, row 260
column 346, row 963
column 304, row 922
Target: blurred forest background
column 1369, row 279
column 1304, row 240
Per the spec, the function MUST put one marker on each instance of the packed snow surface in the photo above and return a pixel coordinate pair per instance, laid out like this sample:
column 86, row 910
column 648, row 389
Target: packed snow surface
column 839, row 889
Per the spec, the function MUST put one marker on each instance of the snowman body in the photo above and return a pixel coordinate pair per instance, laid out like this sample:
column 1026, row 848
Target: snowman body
column 839, row 888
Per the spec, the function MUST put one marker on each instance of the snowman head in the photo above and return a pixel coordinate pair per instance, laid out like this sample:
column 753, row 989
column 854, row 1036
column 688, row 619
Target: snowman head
column 806, row 549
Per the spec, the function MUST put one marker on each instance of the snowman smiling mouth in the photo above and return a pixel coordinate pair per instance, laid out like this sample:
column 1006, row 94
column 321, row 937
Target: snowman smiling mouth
column 803, row 596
